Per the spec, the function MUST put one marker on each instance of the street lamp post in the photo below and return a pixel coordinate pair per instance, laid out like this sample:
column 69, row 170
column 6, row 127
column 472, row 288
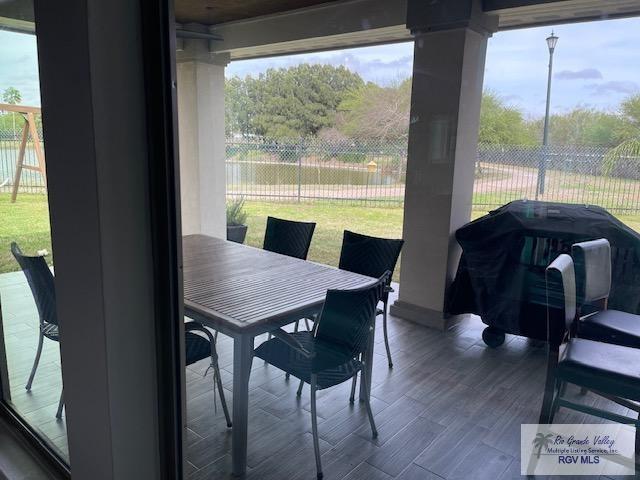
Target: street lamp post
column 552, row 40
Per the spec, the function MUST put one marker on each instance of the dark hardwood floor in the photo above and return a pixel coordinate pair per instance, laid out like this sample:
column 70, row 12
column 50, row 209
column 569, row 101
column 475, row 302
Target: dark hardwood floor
column 450, row 408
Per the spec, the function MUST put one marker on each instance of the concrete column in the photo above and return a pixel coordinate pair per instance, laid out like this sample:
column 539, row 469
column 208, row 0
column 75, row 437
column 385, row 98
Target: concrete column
column 448, row 72
column 202, row 139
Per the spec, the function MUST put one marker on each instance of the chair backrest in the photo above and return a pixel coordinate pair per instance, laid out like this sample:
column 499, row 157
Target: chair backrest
column 347, row 316
column 40, row 281
column 593, row 270
column 561, row 298
column 371, row 256
column 288, row 237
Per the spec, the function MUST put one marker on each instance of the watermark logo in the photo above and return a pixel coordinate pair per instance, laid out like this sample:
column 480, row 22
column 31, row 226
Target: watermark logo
column 577, row 449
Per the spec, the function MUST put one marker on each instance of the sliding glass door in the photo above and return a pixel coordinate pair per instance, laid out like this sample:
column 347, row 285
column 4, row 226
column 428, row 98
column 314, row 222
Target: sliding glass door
column 30, row 343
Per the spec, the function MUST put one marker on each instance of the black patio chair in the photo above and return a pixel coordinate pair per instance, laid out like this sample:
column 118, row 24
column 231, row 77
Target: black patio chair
column 593, row 282
column 288, row 237
column 198, row 348
column 333, row 352
column 372, row 256
column 41, row 283
column 607, row 370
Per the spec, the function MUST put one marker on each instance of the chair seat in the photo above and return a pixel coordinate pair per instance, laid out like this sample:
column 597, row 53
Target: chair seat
column 603, row 367
column 50, row 330
column 332, row 366
column 612, row 326
column 196, row 348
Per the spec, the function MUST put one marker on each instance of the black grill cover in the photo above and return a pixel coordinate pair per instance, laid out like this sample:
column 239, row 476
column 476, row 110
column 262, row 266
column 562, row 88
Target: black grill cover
column 500, row 276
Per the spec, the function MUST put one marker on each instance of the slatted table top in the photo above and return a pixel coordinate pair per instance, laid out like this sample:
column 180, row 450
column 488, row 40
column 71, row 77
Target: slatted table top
column 241, row 289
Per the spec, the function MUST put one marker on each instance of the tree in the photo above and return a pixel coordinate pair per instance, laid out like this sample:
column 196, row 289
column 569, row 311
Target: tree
column 501, row 124
column 237, row 107
column 627, row 153
column 372, row 112
column 288, row 104
column 12, row 96
column 583, row 126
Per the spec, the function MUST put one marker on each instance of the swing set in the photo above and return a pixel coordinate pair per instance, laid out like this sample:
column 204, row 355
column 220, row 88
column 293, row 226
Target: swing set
column 29, row 128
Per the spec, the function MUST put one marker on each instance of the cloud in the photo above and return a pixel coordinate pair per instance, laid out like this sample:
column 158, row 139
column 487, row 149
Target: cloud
column 585, row 74
column 512, row 98
column 612, row 87
column 375, row 69
column 383, row 65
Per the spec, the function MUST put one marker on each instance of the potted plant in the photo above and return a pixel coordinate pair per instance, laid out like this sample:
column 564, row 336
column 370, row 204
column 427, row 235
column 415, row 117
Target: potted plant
column 236, row 218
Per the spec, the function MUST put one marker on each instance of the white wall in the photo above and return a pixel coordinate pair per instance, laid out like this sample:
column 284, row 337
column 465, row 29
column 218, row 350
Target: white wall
column 202, row 139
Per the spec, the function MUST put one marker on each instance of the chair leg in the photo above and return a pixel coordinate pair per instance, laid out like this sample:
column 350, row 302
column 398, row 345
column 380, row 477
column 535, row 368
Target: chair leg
column 295, row 330
column 218, row 383
column 306, row 323
column 638, row 438
column 546, row 412
column 352, row 398
column 562, row 388
column 367, row 404
column 314, row 426
column 386, row 335
column 60, row 405
column 299, row 392
column 268, row 338
column 35, row 362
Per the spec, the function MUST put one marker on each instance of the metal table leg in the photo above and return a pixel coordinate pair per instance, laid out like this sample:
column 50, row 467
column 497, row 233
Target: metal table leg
column 242, row 357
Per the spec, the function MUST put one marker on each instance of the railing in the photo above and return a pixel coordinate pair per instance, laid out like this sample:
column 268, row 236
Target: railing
column 374, row 173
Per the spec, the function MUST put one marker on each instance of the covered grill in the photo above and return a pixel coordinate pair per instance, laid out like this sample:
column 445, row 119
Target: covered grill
column 501, row 278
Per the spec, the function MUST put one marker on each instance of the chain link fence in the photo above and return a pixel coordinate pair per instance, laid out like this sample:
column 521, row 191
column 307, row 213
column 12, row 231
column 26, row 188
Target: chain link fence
column 568, row 174
column 374, row 173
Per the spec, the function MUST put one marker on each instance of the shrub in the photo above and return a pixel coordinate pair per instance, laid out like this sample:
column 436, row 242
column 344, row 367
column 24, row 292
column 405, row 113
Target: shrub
column 236, row 214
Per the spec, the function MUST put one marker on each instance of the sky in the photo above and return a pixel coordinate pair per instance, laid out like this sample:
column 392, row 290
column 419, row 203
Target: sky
column 596, row 65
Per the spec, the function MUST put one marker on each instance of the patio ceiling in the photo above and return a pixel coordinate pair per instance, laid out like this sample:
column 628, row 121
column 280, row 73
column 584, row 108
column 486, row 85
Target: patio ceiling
column 514, row 13
column 349, row 23
column 211, row 12
column 18, row 15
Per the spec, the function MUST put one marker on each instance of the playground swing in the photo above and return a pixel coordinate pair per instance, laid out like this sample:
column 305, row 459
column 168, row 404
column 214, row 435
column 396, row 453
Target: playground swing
column 29, row 127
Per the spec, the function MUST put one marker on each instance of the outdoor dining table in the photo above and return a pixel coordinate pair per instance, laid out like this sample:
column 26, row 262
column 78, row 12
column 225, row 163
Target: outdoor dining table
column 244, row 292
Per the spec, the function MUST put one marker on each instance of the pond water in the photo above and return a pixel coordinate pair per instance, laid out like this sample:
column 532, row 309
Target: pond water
column 254, row 173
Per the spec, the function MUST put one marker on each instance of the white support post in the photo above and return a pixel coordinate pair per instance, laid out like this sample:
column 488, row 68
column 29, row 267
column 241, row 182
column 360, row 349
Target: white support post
column 448, row 72
column 202, row 138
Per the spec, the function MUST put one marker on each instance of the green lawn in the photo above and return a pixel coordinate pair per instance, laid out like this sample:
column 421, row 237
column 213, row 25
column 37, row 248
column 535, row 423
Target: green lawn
column 331, row 219
column 27, row 222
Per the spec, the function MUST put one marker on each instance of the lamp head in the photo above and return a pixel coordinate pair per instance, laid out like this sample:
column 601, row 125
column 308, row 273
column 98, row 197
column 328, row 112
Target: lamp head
column 552, row 40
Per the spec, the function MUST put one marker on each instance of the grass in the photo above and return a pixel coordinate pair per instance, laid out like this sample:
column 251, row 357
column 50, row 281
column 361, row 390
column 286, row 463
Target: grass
column 27, row 222
column 331, row 219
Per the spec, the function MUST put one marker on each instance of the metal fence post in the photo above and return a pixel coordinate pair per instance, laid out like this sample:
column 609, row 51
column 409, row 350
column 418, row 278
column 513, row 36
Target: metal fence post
column 299, row 174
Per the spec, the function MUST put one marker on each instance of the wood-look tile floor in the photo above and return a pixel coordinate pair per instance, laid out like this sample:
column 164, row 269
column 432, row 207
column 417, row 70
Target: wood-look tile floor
column 450, row 408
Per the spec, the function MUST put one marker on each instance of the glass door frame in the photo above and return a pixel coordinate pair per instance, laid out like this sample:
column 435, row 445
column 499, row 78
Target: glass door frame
column 152, row 22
